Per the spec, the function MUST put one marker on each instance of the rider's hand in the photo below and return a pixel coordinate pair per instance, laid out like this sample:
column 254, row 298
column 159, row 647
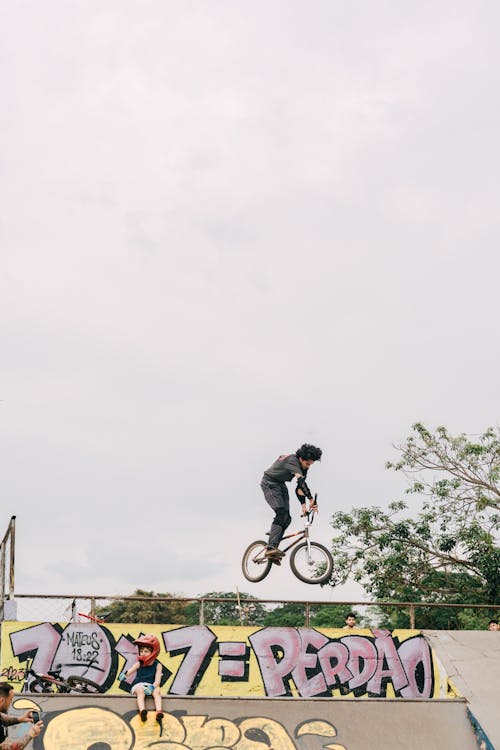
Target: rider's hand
column 313, row 507
column 122, row 676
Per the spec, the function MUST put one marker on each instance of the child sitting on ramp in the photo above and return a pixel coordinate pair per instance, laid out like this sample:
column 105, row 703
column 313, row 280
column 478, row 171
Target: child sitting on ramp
column 148, row 673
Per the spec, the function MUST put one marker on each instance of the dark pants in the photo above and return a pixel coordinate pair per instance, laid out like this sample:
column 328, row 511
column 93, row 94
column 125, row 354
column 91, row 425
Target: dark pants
column 276, row 495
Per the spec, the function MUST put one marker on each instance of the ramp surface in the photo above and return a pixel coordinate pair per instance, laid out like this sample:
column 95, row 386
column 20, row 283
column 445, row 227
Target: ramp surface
column 471, row 659
column 104, row 722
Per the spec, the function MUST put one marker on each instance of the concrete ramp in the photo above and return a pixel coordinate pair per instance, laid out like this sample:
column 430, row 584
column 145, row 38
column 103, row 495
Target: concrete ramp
column 104, row 722
column 471, row 659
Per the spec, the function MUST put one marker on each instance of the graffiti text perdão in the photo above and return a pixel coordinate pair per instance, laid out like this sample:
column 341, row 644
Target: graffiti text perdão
column 198, row 660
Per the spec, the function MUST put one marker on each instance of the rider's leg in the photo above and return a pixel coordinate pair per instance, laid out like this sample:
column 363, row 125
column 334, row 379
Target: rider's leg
column 277, row 498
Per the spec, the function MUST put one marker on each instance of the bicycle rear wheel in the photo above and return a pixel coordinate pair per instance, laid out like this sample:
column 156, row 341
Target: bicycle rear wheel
column 83, row 685
column 37, row 685
column 255, row 566
column 315, row 566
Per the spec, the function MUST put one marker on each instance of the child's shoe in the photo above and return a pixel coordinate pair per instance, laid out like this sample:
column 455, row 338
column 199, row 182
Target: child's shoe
column 144, row 714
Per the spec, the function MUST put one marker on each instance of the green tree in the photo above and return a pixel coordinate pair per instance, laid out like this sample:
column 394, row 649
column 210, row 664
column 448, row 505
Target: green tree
column 448, row 552
column 249, row 612
column 293, row 615
column 151, row 610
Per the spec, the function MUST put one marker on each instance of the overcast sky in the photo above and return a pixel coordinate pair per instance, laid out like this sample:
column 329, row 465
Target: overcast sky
column 228, row 228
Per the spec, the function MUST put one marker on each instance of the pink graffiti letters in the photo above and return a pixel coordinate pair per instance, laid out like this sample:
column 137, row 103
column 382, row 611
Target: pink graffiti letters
column 359, row 663
column 233, row 662
column 198, row 644
column 275, row 661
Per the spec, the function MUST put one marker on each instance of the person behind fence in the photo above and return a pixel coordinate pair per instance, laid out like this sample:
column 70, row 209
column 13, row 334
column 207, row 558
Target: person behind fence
column 493, row 625
column 6, row 720
column 284, row 469
column 148, row 672
column 350, row 621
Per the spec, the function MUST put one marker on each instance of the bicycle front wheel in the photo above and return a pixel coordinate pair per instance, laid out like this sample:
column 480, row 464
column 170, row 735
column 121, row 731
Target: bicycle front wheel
column 83, row 685
column 311, row 563
column 255, row 566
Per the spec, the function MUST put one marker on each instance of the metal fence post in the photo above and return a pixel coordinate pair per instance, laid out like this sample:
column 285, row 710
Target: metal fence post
column 12, row 532
column 308, row 614
column 202, row 612
column 412, row 616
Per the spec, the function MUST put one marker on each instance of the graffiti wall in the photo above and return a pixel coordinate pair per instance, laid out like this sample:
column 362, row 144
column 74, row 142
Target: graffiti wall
column 106, row 722
column 231, row 661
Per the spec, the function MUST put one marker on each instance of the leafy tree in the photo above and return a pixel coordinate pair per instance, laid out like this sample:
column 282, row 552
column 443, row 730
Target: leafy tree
column 320, row 616
column 252, row 611
column 448, row 552
column 151, row 611
column 333, row 616
column 286, row 615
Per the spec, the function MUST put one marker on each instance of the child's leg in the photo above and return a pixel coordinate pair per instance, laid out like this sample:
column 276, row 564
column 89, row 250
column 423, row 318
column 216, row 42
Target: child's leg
column 157, row 699
column 141, row 700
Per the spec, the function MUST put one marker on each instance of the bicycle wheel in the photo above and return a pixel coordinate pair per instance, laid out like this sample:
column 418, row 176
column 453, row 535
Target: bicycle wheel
column 83, row 684
column 255, row 566
column 37, row 685
column 316, row 567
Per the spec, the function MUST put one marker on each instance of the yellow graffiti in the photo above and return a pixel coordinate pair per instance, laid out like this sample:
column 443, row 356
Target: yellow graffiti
column 147, row 732
column 81, row 727
column 201, row 733
column 212, row 681
column 321, row 729
column 25, row 704
column 258, row 728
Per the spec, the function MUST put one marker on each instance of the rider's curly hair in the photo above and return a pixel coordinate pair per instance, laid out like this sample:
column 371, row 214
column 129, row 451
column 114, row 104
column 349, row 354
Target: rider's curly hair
column 309, row 452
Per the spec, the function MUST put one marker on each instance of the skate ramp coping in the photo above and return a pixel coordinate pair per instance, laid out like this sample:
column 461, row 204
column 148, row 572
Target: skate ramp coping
column 105, row 722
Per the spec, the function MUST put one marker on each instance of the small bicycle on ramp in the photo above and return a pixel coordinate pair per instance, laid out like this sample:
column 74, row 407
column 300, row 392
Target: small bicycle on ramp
column 52, row 682
column 310, row 561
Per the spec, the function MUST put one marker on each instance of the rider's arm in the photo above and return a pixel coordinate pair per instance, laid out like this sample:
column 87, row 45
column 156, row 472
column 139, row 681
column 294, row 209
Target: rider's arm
column 302, row 491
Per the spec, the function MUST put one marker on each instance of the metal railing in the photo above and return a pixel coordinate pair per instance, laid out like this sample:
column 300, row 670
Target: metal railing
column 71, row 606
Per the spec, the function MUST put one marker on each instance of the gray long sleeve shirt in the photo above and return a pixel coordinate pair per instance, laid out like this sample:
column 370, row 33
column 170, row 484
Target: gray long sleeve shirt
column 284, row 469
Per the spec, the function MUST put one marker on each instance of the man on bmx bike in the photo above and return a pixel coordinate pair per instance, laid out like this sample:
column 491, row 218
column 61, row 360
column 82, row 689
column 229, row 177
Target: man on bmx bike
column 283, row 470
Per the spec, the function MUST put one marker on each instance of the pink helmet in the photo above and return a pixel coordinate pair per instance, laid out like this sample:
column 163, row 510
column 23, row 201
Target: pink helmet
column 153, row 643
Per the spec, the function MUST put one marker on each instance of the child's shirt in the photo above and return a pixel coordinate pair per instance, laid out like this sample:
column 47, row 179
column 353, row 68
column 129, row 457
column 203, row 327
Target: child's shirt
column 146, row 674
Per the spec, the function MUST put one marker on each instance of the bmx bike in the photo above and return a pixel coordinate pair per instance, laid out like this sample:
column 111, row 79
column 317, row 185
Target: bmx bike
column 310, row 561
column 52, row 682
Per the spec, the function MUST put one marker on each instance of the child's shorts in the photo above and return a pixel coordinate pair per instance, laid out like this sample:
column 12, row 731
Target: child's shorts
column 139, row 685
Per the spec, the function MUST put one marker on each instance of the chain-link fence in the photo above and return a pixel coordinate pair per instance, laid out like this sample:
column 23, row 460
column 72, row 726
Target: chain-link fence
column 240, row 610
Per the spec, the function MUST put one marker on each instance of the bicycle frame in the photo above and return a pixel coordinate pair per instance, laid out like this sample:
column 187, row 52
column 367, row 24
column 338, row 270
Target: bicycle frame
column 304, row 534
column 49, row 679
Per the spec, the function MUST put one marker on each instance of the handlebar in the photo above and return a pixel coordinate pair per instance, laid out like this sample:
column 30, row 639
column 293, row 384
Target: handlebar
column 309, row 514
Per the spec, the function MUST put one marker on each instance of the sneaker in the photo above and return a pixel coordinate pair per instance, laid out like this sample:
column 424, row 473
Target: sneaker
column 273, row 553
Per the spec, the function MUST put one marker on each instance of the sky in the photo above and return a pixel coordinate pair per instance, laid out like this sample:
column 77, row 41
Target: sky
column 227, row 229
